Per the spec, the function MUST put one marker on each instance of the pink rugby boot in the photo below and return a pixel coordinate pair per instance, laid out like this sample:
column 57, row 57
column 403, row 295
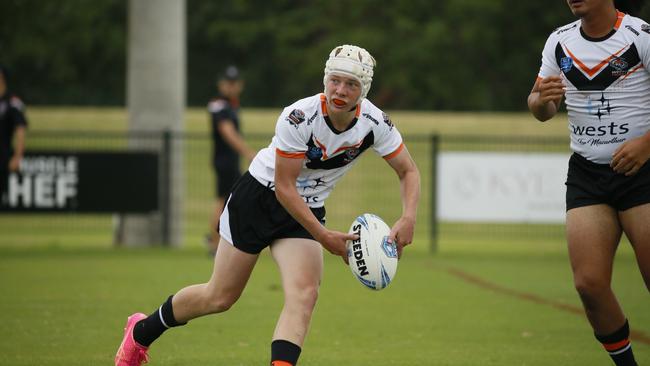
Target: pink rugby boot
column 130, row 352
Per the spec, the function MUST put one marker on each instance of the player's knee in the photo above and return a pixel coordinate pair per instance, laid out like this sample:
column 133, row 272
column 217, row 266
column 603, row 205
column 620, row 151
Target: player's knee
column 305, row 296
column 591, row 288
column 219, row 304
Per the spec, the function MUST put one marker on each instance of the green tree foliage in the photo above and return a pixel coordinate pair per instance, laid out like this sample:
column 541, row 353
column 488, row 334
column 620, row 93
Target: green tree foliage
column 441, row 55
column 65, row 52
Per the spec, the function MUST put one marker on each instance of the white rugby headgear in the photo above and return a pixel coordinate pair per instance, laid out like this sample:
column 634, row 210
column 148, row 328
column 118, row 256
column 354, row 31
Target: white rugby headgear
column 352, row 61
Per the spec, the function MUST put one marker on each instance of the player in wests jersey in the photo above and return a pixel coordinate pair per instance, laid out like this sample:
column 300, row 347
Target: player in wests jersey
column 279, row 203
column 599, row 64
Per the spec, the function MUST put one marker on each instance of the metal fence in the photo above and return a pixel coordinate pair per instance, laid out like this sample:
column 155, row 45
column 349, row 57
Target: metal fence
column 370, row 187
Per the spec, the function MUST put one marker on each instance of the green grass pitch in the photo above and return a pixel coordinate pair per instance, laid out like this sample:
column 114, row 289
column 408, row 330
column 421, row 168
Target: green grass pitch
column 68, row 306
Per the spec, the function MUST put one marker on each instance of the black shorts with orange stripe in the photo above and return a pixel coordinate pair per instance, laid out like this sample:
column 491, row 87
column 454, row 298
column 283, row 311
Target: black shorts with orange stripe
column 589, row 183
column 253, row 218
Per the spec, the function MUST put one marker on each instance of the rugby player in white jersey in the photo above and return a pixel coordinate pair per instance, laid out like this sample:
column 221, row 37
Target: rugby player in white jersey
column 599, row 64
column 279, row 203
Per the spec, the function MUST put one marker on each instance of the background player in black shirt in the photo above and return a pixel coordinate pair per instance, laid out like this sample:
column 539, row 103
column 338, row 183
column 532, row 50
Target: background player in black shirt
column 12, row 132
column 227, row 142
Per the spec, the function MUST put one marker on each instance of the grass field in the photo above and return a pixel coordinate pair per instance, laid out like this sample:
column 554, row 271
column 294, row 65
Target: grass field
column 67, row 307
column 505, row 298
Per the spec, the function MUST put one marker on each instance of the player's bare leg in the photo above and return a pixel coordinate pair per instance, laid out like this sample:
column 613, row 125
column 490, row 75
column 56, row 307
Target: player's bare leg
column 593, row 234
column 636, row 224
column 232, row 269
column 301, row 267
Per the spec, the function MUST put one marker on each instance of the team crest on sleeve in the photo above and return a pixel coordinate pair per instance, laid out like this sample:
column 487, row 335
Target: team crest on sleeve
column 566, row 63
column 296, row 117
column 388, row 121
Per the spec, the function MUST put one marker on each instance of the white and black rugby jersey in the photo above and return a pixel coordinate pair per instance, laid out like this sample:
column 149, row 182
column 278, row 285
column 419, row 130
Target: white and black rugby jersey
column 607, row 82
column 304, row 131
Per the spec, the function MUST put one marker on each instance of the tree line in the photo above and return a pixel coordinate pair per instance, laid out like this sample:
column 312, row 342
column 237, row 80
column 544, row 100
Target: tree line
column 433, row 55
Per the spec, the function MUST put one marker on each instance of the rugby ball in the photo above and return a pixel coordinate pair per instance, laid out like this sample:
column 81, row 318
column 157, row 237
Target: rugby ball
column 372, row 258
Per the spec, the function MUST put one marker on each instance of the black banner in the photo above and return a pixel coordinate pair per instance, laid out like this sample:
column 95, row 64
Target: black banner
column 83, row 182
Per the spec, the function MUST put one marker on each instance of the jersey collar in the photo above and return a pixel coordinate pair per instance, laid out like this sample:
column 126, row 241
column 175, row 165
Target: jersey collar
column 619, row 20
column 328, row 121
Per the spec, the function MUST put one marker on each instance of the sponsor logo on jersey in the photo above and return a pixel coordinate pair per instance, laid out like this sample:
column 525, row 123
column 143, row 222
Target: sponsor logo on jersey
column 310, row 184
column 311, row 199
column 318, row 182
column 612, row 129
column 296, row 117
column 312, row 118
column 599, row 107
column 566, row 63
column 589, row 135
column 388, row 121
column 619, row 66
column 629, row 27
column 560, row 31
column 373, row 119
column 645, row 28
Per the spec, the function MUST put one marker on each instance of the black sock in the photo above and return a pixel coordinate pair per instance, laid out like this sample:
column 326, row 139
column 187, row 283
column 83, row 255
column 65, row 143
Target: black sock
column 148, row 330
column 284, row 352
column 618, row 346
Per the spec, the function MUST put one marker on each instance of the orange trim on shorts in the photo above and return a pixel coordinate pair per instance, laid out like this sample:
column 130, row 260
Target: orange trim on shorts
column 284, row 154
column 610, row 347
column 394, row 153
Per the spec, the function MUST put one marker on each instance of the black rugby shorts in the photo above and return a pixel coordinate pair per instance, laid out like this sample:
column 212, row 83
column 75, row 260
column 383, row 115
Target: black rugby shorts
column 253, row 218
column 589, row 183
